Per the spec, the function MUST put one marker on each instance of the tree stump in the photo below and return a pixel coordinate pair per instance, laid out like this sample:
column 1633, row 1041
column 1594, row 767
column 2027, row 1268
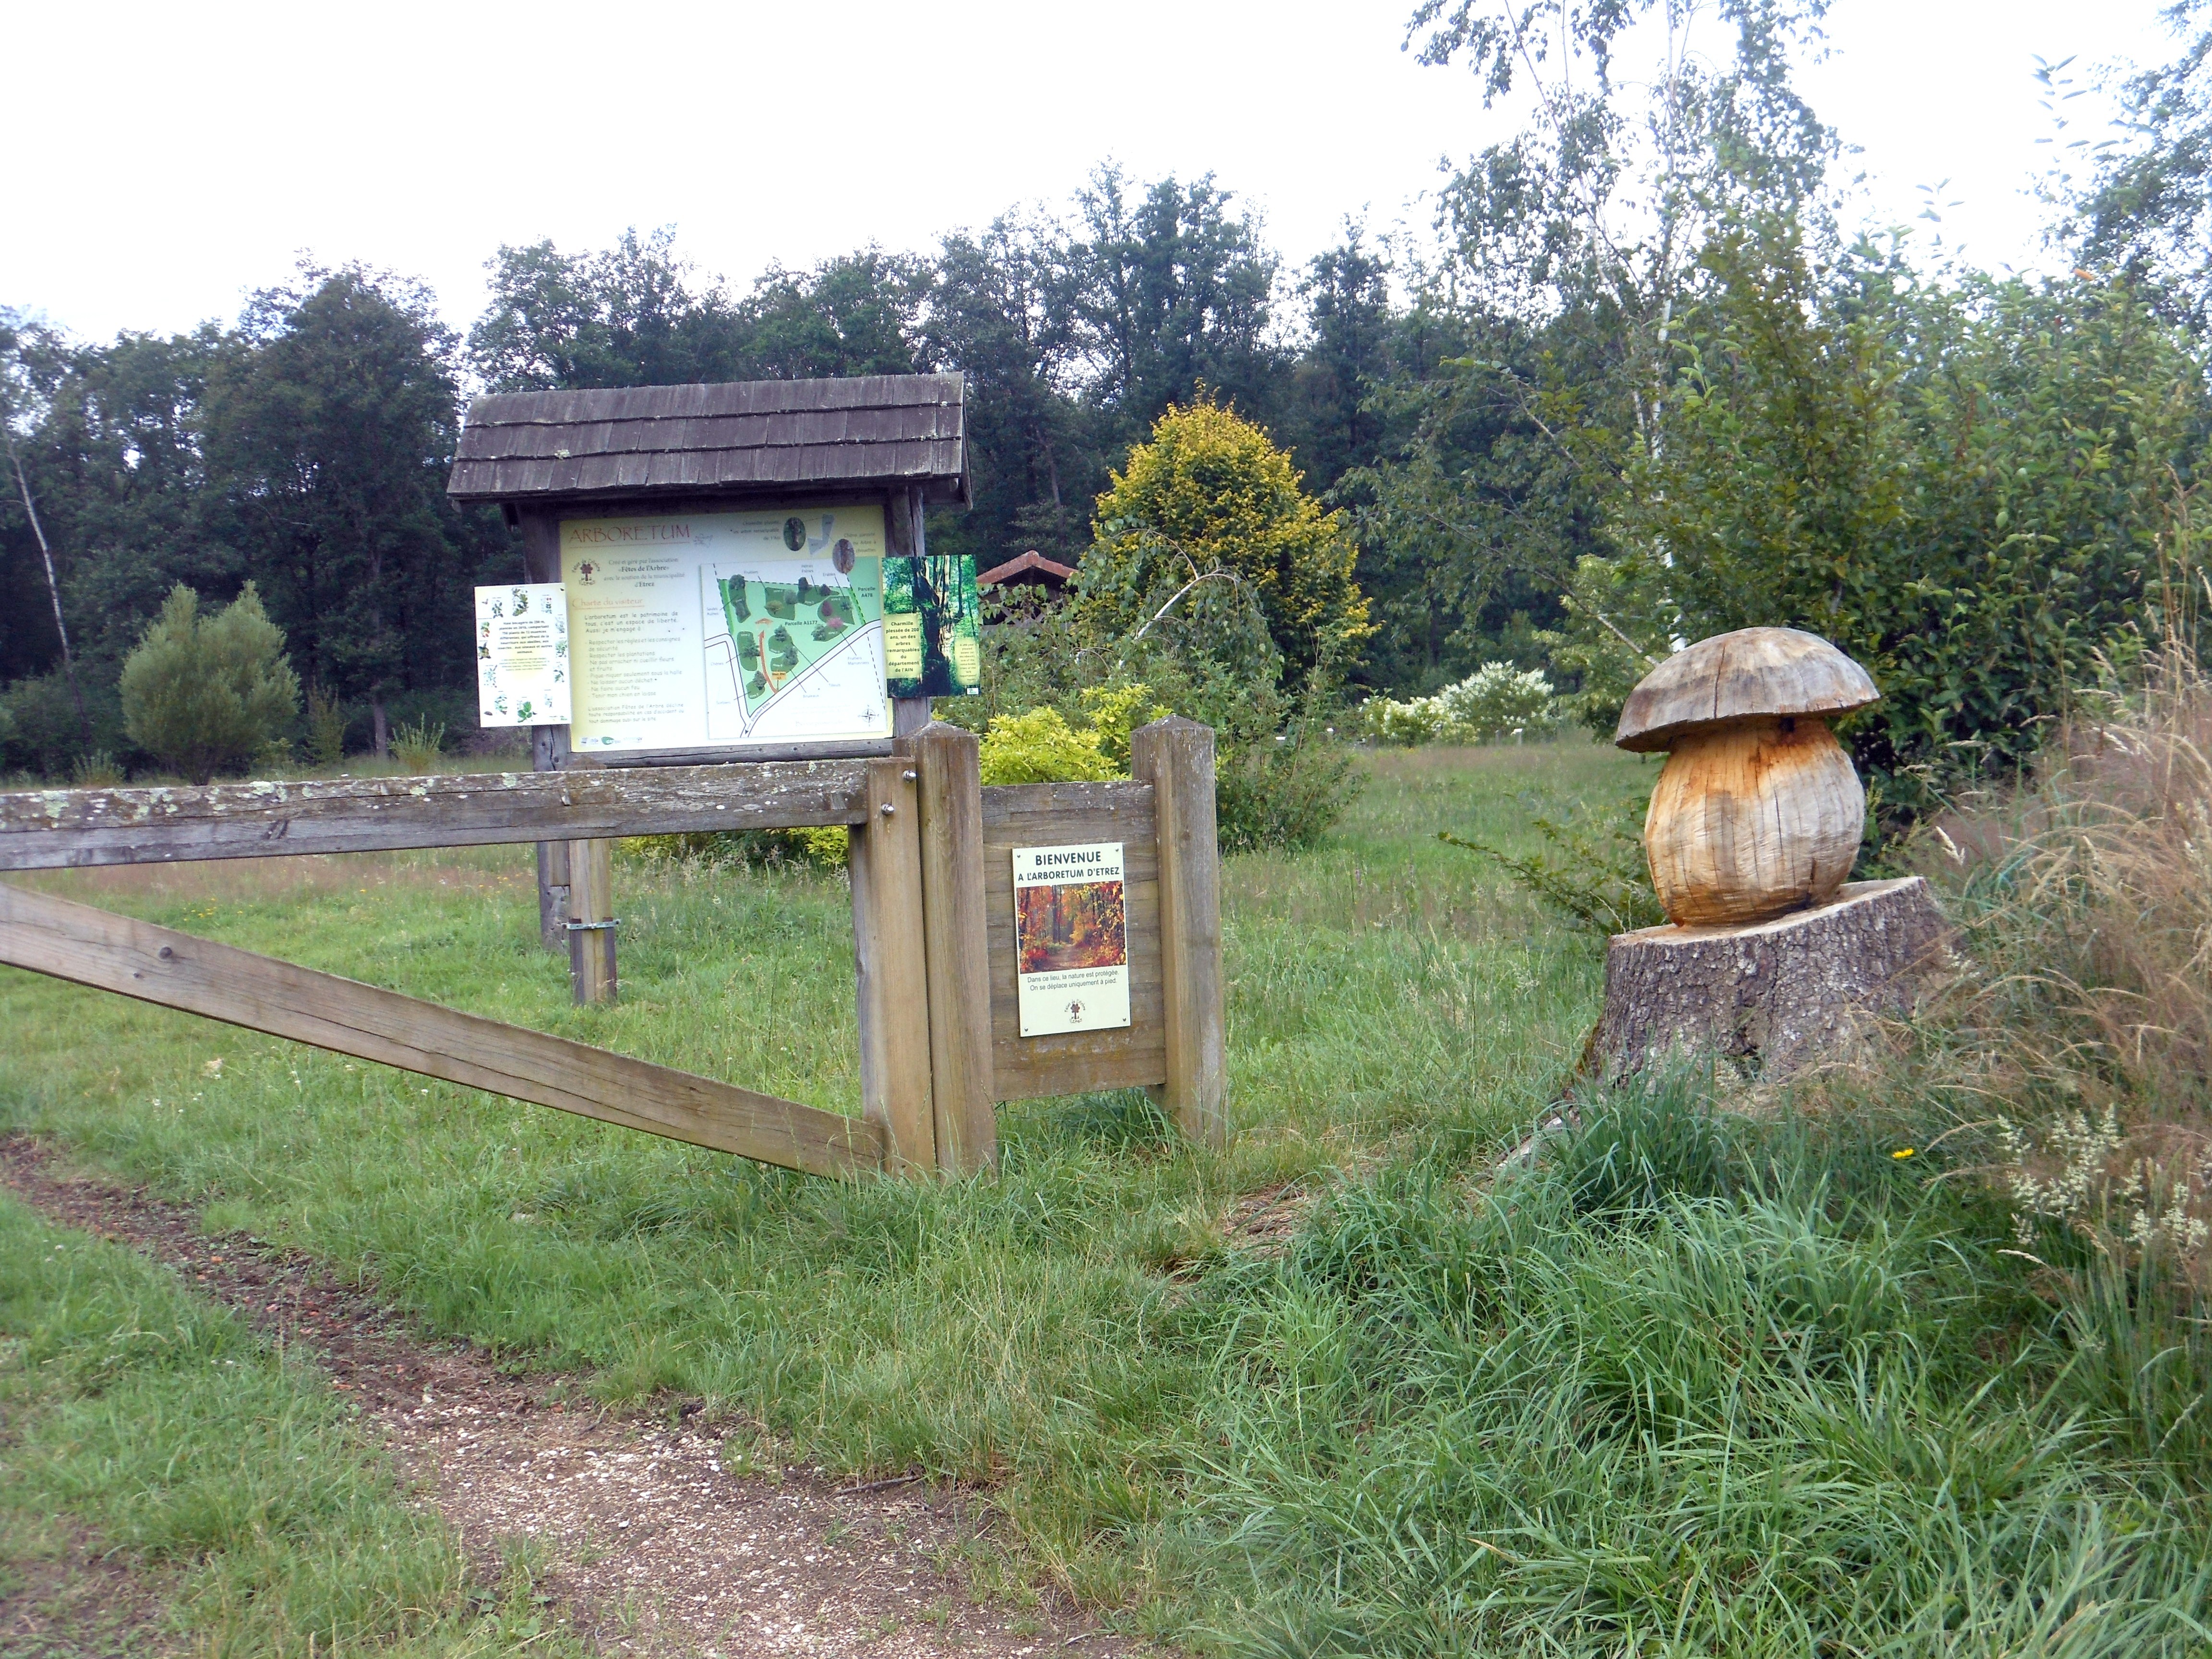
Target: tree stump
column 1772, row 996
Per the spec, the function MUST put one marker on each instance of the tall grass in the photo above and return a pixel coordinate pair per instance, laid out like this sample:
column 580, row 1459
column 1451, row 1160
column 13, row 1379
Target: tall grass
column 2085, row 1037
column 1685, row 1388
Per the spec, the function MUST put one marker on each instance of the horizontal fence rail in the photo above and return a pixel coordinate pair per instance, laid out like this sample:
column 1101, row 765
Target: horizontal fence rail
column 157, row 964
column 69, row 828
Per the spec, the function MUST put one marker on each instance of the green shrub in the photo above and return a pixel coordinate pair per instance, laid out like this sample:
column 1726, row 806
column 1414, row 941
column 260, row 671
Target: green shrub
column 420, row 746
column 326, row 727
column 1979, row 490
column 1287, row 792
column 97, row 770
column 46, row 735
column 203, row 695
column 1592, row 871
column 1283, row 777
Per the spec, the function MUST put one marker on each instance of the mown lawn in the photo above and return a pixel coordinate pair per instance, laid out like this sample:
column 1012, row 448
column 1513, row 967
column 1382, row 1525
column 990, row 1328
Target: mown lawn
column 1695, row 1385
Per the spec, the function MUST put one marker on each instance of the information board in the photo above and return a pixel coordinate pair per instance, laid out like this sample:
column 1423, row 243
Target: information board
column 522, row 655
column 726, row 630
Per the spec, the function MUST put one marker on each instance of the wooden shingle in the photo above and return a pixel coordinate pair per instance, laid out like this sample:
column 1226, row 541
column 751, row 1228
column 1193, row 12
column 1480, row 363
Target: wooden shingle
column 747, row 437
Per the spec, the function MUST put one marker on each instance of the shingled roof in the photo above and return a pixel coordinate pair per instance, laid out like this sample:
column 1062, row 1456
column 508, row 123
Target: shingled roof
column 747, row 437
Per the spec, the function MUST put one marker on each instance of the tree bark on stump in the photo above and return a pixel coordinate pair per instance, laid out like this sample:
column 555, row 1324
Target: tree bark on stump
column 1770, row 997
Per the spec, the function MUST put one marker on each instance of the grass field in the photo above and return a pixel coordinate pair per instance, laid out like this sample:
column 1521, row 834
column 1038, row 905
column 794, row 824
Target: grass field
column 1695, row 1385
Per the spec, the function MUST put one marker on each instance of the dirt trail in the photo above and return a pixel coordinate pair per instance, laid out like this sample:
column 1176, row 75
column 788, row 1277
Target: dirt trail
column 651, row 1546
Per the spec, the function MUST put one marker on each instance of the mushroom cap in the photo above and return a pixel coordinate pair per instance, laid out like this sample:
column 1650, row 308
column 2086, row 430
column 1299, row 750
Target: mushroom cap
column 1752, row 673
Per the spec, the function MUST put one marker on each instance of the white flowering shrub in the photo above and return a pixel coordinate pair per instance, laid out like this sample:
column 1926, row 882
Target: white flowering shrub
column 1421, row 720
column 1497, row 700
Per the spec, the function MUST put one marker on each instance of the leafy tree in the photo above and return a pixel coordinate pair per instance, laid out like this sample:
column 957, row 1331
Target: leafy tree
column 110, row 442
column 1328, row 419
column 637, row 314
column 629, row 315
column 1538, row 357
column 1210, row 498
column 1002, row 312
column 1503, row 448
column 205, row 694
column 1970, row 488
column 1602, row 203
column 854, row 315
column 1173, row 297
column 331, row 437
column 2147, row 212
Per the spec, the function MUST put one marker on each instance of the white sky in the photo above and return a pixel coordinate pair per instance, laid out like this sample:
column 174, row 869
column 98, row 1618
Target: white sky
column 173, row 157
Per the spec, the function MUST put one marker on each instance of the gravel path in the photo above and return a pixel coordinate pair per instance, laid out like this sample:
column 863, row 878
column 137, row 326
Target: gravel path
column 649, row 1544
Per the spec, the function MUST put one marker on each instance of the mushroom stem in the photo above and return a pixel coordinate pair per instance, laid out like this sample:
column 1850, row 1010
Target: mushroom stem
column 1753, row 818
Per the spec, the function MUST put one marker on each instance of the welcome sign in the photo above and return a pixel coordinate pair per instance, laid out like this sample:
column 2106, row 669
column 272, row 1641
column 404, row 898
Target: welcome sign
column 1070, row 937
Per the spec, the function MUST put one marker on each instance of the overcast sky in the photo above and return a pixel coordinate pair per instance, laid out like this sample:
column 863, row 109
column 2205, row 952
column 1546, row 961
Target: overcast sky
column 179, row 155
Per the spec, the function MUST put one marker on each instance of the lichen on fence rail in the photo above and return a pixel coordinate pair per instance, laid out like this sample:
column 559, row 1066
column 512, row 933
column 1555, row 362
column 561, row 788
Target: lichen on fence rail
column 51, row 829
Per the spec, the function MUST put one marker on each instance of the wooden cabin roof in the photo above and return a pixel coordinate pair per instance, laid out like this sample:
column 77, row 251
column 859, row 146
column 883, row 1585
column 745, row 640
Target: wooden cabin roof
column 1030, row 567
column 745, row 438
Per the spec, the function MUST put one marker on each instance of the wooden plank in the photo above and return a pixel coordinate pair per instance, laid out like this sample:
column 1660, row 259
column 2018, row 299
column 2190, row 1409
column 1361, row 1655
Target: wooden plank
column 832, row 749
column 61, row 828
column 591, row 921
column 1074, row 1062
column 892, row 972
column 956, row 945
column 1175, row 757
column 157, row 964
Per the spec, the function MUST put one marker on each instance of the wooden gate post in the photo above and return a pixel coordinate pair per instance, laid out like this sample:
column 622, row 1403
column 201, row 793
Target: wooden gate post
column 591, row 923
column 957, row 945
column 1175, row 757
column 888, row 962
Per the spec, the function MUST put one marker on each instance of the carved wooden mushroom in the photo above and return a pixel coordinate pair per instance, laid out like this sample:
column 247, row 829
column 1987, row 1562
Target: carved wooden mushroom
column 1757, row 811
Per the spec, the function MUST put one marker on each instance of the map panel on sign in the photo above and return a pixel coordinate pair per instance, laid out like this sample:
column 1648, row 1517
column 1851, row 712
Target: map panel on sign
column 725, row 629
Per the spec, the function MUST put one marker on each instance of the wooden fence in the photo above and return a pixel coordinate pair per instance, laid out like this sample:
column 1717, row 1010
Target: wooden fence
column 933, row 926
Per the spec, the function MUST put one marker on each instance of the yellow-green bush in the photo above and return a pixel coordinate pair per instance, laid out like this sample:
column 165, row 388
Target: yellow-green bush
column 823, row 847
column 1211, row 492
column 1042, row 747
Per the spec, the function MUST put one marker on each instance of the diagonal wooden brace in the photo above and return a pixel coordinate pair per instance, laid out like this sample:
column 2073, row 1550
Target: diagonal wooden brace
column 157, row 964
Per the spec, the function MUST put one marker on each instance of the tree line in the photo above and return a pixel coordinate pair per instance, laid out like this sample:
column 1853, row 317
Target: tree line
column 303, row 448
column 1645, row 382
